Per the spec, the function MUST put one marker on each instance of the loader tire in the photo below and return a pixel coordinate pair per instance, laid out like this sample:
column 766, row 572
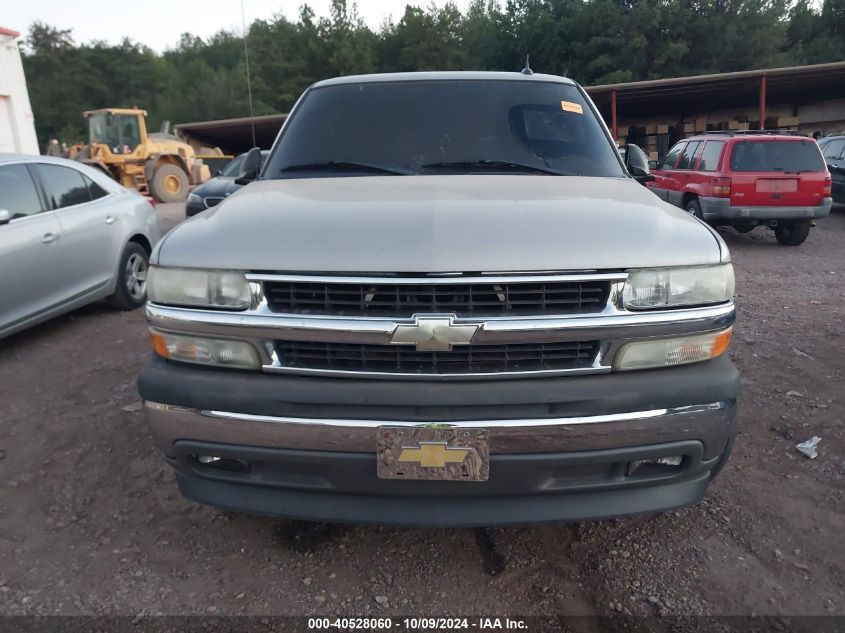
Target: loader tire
column 169, row 184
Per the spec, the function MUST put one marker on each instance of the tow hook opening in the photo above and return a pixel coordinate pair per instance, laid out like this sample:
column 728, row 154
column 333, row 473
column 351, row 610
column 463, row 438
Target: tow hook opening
column 229, row 464
column 655, row 466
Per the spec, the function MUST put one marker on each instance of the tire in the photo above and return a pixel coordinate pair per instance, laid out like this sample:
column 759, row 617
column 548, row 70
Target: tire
column 792, row 233
column 169, row 183
column 131, row 290
column 744, row 228
column 694, row 209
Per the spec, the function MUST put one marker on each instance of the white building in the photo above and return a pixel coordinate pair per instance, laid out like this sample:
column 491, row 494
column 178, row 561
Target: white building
column 17, row 125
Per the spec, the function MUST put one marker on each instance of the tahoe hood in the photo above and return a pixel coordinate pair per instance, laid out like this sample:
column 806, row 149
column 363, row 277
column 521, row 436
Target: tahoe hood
column 452, row 223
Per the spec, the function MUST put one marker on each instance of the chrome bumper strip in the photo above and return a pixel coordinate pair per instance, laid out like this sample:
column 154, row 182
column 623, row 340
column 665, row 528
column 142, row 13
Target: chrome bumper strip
column 709, row 423
column 492, row 331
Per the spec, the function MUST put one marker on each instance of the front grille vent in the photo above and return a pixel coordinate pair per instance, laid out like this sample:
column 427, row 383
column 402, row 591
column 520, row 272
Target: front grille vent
column 463, row 359
column 385, row 299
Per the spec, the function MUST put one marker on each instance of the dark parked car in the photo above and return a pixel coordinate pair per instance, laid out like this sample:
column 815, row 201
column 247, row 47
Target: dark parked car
column 833, row 149
column 217, row 189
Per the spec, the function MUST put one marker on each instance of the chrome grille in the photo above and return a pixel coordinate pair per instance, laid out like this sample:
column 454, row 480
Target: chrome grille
column 476, row 299
column 463, row 359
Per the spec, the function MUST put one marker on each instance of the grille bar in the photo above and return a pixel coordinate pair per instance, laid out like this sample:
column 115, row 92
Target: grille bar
column 477, row 299
column 463, row 359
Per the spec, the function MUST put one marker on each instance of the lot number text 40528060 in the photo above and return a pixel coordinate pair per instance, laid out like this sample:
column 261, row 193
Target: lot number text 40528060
column 417, row 624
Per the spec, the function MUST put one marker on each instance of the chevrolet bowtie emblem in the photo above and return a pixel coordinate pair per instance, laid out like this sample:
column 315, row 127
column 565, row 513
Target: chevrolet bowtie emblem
column 434, row 333
column 433, row 454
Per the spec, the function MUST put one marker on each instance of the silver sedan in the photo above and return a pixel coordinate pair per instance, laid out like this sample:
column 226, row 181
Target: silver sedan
column 69, row 236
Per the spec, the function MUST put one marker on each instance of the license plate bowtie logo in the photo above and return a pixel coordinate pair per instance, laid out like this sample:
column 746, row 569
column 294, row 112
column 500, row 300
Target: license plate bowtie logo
column 433, row 454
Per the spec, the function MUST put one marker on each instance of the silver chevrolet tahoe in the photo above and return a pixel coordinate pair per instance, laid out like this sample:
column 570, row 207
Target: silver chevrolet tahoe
column 446, row 301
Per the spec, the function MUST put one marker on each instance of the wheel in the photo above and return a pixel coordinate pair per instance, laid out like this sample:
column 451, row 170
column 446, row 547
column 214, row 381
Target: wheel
column 169, row 184
column 693, row 208
column 131, row 290
column 792, row 233
column 744, row 228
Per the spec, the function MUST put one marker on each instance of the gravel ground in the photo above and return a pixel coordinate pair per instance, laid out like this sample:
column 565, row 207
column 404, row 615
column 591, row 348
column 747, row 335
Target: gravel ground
column 91, row 521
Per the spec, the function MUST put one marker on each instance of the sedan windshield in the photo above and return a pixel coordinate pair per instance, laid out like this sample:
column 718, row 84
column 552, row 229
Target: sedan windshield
column 443, row 127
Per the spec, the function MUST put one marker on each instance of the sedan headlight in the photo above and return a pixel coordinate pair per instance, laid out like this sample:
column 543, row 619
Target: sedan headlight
column 199, row 288
column 194, row 198
column 675, row 287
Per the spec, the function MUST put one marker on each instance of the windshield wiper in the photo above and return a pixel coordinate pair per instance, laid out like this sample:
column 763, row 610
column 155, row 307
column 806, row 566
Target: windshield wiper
column 495, row 165
column 343, row 165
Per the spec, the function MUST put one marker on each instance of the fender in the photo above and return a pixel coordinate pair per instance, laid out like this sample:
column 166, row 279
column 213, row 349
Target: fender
column 153, row 160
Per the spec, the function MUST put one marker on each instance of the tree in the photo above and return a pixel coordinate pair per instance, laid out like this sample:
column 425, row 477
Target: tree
column 593, row 41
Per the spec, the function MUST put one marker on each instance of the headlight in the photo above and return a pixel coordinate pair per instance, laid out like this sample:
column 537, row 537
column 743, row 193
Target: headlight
column 666, row 352
column 205, row 351
column 194, row 198
column 675, row 287
column 201, row 288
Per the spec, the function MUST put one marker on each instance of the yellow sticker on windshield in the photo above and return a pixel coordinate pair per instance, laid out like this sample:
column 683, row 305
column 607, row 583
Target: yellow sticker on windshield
column 568, row 106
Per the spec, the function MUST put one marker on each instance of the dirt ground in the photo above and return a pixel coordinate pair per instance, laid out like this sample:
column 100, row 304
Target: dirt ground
column 91, row 521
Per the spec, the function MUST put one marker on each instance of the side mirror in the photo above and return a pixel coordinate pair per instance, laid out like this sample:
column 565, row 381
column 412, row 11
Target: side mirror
column 653, row 164
column 5, row 216
column 637, row 164
column 250, row 168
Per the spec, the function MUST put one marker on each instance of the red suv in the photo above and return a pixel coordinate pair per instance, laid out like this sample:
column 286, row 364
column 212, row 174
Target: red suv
column 746, row 179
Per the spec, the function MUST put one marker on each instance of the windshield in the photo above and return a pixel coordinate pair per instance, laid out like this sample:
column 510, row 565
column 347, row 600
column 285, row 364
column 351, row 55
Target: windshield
column 233, row 167
column 784, row 156
column 119, row 131
column 458, row 126
column 231, row 170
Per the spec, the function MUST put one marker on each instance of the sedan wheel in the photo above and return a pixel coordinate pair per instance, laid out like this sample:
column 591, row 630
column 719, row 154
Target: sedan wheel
column 136, row 276
column 132, row 271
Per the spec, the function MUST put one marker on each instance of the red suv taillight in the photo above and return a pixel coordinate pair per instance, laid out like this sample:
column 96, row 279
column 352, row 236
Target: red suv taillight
column 722, row 187
column 827, row 188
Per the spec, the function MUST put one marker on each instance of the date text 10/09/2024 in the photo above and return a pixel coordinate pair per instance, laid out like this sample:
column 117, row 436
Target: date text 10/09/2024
column 416, row 624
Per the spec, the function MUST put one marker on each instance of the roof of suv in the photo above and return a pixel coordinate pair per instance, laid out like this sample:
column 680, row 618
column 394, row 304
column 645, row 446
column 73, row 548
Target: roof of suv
column 778, row 135
column 443, row 76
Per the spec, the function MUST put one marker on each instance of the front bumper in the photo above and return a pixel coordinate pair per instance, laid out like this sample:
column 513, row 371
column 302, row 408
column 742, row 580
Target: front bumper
column 721, row 209
column 192, row 207
column 561, row 448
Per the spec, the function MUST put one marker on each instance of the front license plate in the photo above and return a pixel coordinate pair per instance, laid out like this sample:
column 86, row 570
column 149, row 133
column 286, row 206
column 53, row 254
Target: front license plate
column 433, row 453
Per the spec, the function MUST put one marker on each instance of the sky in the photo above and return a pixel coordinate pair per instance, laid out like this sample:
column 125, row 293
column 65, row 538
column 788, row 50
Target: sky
column 159, row 23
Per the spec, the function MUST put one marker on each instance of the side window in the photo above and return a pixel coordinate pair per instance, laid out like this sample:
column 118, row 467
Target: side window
column 834, row 149
column 95, row 190
column 64, row 186
column 710, row 156
column 671, row 158
column 18, row 194
column 686, row 161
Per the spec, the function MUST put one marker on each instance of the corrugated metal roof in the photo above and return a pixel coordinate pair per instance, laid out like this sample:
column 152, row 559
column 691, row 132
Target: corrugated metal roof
column 702, row 93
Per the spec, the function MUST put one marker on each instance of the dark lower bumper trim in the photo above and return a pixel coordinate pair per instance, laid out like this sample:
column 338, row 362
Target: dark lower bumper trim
column 443, row 512
column 522, row 489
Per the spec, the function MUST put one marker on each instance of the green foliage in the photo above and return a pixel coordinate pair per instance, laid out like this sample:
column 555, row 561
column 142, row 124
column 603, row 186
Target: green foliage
column 593, row 41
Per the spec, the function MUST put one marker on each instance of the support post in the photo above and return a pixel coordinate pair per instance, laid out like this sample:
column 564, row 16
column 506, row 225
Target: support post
column 613, row 115
column 763, row 102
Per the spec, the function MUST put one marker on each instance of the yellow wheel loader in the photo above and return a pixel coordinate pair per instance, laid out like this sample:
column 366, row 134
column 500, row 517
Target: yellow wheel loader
column 158, row 164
